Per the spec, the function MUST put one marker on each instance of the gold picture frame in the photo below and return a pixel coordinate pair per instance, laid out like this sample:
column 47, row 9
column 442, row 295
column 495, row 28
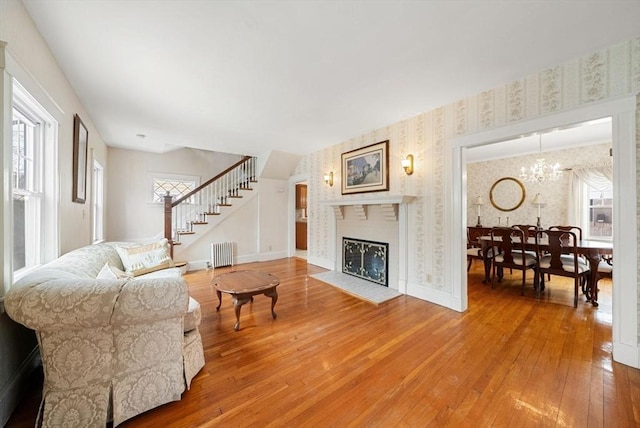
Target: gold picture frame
column 366, row 169
column 80, row 150
column 507, row 194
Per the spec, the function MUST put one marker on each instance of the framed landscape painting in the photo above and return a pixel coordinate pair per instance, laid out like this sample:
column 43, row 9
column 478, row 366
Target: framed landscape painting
column 366, row 169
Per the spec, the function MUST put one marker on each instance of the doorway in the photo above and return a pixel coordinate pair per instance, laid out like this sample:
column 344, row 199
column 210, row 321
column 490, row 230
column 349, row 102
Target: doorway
column 622, row 111
column 301, row 217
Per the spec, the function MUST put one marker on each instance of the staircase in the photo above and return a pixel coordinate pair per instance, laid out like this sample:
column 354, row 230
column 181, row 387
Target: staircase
column 208, row 199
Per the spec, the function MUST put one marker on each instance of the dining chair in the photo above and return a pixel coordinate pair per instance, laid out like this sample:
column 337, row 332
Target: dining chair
column 558, row 255
column 578, row 231
column 512, row 255
column 529, row 232
column 474, row 250
column 575, row 229
column 528, row 229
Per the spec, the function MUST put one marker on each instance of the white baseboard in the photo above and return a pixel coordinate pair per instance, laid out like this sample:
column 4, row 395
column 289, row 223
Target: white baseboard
column 246, row 258
column 626, row 354
column 434, row 296
column 319, row 261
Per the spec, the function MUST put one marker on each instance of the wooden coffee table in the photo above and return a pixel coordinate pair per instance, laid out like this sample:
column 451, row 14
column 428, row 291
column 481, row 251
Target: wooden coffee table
column 243, row 285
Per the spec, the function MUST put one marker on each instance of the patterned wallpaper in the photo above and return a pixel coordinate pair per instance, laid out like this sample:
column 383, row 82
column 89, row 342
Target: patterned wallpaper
column 606, row 74
column 482, row 175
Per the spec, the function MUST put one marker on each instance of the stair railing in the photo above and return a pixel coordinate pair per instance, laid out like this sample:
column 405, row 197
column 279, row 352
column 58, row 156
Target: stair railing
column 206, row 199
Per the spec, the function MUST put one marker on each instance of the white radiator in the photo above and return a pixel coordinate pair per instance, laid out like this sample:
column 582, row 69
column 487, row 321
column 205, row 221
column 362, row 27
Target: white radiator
column 221, row 254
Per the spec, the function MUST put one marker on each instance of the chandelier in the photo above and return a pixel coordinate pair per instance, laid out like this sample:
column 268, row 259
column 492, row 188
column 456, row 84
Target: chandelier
column 541, row 170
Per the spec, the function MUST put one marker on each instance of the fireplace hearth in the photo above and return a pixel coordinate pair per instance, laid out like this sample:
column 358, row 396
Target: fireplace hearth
column 366, row 259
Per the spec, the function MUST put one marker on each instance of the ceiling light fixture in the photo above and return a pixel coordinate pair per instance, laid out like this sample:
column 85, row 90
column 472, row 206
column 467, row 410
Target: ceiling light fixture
column 541, row 170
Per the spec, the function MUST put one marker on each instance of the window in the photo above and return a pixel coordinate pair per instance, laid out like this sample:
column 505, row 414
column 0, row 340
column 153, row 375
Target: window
column 176, row 185
column 34, row 216
column 97, row 202
column 27, row 194
column 599, row 209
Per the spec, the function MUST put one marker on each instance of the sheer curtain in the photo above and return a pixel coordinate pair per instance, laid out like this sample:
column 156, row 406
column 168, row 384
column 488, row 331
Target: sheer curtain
column 598, row 177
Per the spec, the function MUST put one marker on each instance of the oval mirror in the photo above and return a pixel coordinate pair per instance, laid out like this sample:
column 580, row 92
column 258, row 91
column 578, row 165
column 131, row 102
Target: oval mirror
column 507, row 194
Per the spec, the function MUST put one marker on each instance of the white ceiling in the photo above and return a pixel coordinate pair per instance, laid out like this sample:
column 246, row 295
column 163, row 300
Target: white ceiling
column 297, row 76
column 583, row 134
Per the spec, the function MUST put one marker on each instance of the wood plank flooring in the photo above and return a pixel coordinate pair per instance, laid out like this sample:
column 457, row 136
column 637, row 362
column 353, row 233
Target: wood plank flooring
column 332, row 360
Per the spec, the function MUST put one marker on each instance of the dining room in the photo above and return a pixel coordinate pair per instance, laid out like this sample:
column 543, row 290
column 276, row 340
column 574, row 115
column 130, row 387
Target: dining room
column 558, row 177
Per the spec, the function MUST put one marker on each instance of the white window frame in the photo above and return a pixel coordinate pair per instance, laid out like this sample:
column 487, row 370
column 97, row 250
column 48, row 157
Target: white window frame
column 97, row 202
column 159, row 176
column 45, row 181
column 586, row 211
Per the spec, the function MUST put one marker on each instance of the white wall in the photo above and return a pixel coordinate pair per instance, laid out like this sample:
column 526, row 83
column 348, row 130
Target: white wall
column 257, row 223
column 132, row 215
column 31, row 62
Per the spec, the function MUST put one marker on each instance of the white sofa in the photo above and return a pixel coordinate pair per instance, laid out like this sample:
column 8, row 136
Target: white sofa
column 111, row 348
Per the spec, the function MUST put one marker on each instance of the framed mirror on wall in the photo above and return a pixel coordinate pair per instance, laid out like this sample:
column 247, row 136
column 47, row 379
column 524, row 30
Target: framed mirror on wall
column 507, row 194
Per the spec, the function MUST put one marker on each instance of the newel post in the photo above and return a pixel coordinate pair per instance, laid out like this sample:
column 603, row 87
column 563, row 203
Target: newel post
column 167, row 219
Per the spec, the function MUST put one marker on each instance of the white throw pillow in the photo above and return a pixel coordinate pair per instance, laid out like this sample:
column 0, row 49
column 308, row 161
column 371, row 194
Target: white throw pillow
column 111, row 272
column 146, row 258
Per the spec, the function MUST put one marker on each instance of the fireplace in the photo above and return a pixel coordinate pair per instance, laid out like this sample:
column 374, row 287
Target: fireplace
column 366, row 259
column 374, row 219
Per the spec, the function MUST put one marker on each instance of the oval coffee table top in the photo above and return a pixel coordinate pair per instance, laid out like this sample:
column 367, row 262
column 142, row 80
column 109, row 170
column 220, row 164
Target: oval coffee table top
column 244, row 281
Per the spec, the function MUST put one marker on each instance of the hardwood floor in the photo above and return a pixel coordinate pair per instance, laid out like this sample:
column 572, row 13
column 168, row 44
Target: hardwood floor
column 330, row 359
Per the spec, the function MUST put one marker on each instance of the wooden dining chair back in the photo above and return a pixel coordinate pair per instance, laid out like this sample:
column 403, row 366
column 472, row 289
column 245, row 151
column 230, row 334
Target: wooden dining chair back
column 511, row 255
column 528, row 229
column 474, row 249
column 575, row 229
column 558, row 255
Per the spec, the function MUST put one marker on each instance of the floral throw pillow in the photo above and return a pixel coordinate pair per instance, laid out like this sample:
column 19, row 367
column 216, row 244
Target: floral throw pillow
column 146, row 258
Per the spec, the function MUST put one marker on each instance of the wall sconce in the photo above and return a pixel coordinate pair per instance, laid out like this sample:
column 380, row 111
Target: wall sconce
column 328, row 178
column 407, row 164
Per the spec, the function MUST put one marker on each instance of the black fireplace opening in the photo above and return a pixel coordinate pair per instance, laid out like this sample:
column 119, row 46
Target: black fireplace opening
column 366, row 259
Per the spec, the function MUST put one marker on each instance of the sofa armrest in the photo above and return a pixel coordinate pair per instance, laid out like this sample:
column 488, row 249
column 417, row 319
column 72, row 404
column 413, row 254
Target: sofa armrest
column 59, row 303
column 151, row 299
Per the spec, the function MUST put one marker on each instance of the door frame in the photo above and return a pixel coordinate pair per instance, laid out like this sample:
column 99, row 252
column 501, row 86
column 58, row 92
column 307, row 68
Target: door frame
column 625, row 293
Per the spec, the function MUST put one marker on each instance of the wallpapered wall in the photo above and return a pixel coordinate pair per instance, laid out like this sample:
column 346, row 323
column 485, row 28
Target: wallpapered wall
column 482, row 175
column 606, row 74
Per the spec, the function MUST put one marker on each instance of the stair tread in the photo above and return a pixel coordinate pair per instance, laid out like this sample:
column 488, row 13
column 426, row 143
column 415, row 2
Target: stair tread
column 199, row 222
column 185, row 232
column 208, row 213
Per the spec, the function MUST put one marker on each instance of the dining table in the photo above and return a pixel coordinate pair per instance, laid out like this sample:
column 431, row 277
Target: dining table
column 591, row 249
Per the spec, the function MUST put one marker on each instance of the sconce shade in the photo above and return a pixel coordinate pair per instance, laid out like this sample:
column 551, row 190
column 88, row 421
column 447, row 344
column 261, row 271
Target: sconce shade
column 407, row 164
column 328, row 178
column 479, row 201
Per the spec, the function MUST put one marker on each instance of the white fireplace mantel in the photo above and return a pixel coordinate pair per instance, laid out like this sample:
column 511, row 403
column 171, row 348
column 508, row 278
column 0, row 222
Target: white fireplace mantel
column 388, row 203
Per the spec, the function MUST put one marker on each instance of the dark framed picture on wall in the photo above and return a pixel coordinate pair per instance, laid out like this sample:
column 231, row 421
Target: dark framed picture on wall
column 80, row 149
column 366, row 169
